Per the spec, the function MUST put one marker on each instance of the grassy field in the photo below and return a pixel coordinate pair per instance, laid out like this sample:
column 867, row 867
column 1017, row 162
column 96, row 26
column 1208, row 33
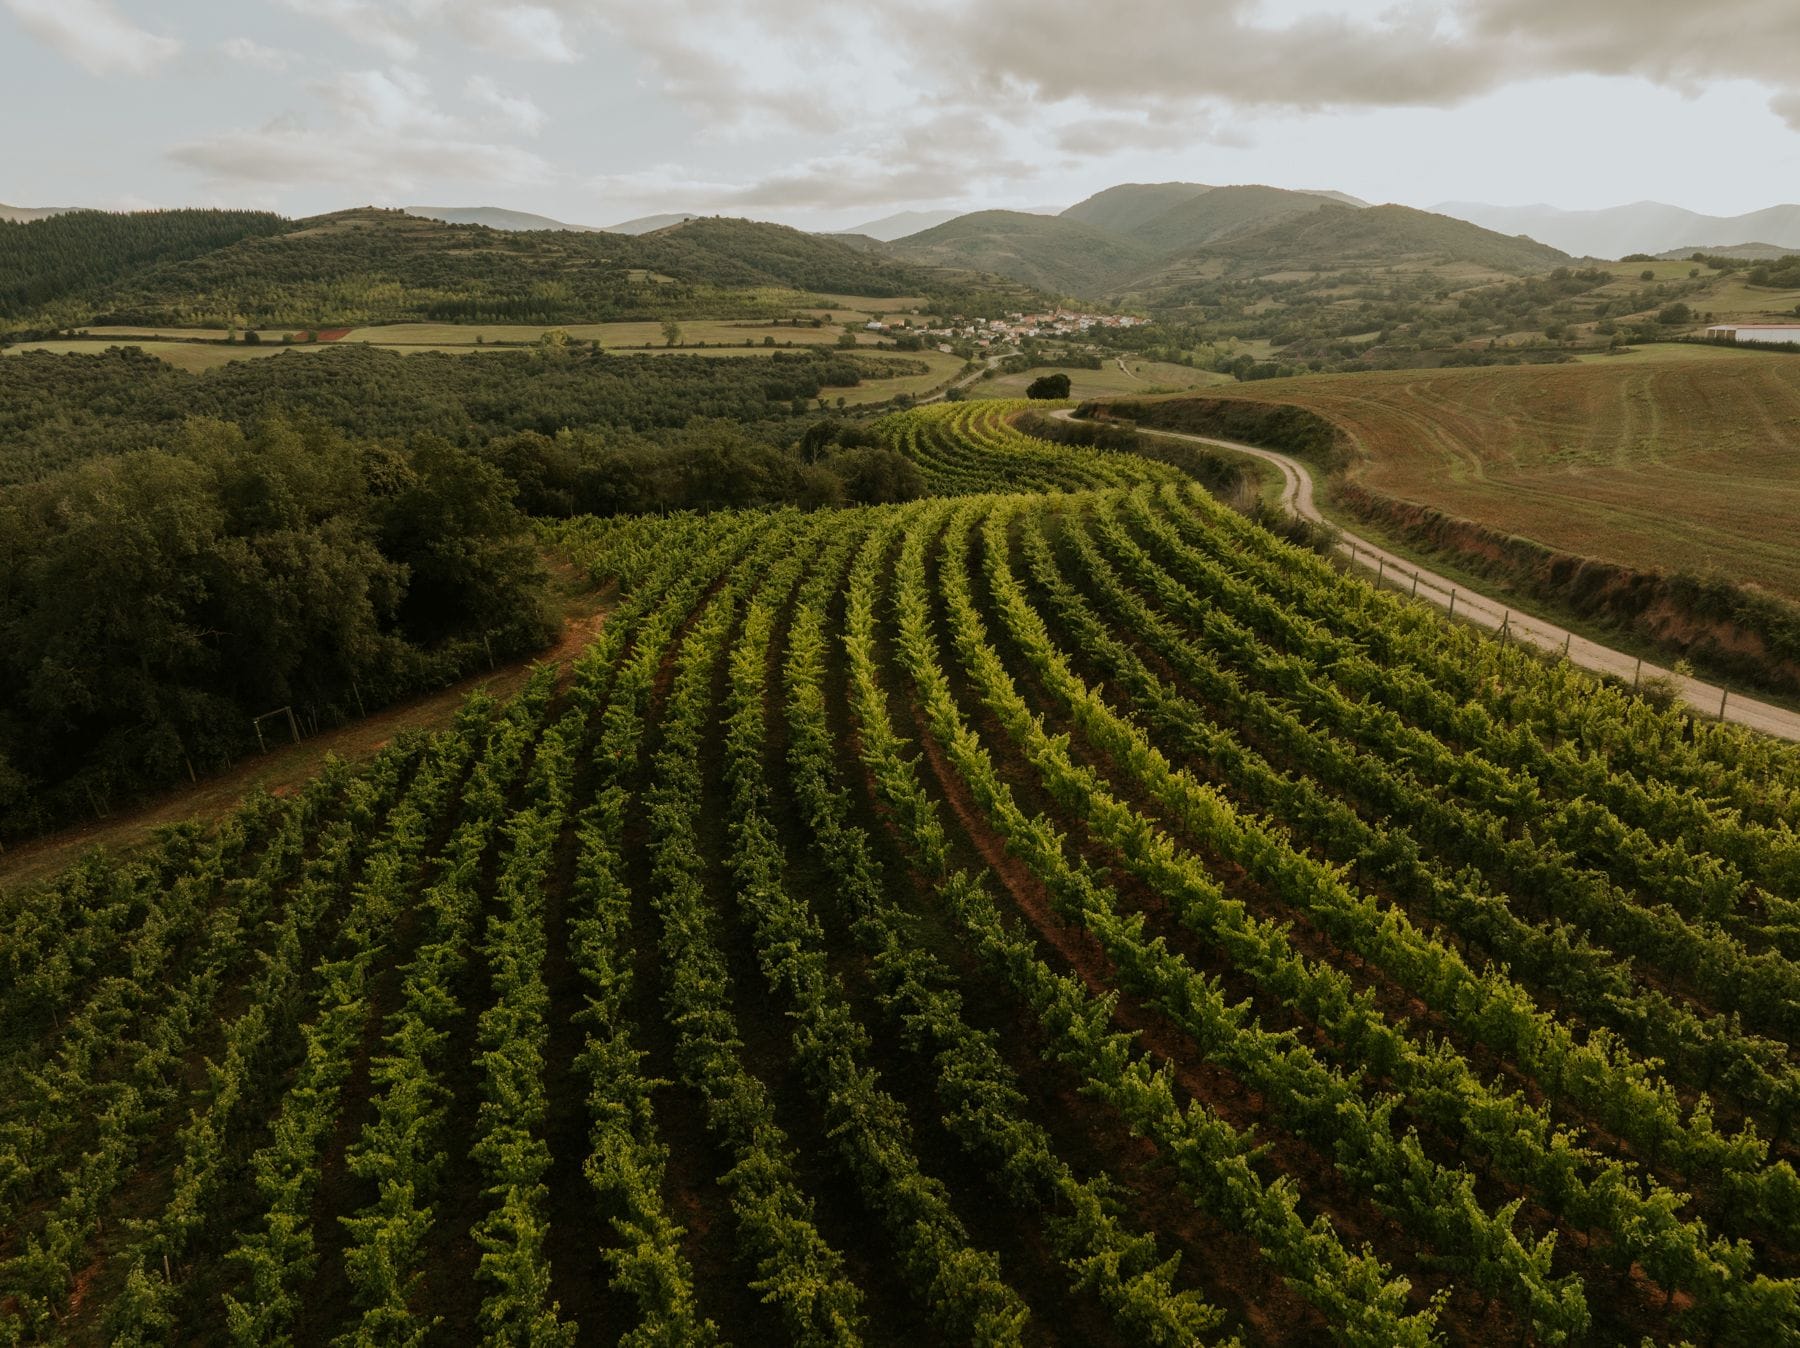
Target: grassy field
column 1676, row 457
column 1145, row 376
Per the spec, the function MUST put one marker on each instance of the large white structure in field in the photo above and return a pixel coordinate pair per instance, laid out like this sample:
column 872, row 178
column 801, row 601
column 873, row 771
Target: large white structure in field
column 1773, row 333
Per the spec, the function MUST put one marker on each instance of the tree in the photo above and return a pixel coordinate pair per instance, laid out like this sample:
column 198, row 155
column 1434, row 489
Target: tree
column 671, row 331
column 1675, row 314
column 1049, row 386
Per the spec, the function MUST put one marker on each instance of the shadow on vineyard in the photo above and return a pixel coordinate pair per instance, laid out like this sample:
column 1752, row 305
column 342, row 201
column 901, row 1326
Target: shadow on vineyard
column 1053, row 911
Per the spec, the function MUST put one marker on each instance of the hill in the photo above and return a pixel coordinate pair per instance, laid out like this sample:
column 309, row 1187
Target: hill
column 1642, row 227
column 1332, row 236
column 46, row 261
column 900, row 224
column 1753, row 252
column 1049, row 252
column 1125, row 208
column 1192, row 225
column 376, row 266
column 644, row 224
column 1066, row 916
column 494, row 217
column 20, row 214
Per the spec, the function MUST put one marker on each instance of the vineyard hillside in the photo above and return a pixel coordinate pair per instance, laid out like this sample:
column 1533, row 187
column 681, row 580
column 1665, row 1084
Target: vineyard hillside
column 1053, row 910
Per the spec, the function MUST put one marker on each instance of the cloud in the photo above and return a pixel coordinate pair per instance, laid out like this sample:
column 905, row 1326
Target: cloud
column 939, row 160
column 384, row 27
column 94, row 35
column 247, row 52
column 523, row 32
column 1787, row 107
column 513, row 111
column 381, row 131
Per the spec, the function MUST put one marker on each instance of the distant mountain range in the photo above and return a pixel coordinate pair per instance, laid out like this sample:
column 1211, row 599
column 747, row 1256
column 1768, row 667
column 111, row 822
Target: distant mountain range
column 649, row 224
column 494, row 217
column 1642, row 227
column 21, row 214
column 902, row 223
column 1149, row 242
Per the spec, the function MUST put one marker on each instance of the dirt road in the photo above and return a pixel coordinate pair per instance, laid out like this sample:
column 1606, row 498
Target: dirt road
column 1461, row 602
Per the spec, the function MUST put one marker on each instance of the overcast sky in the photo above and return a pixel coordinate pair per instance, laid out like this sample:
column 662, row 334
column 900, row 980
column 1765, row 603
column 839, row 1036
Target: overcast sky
column 826, row 114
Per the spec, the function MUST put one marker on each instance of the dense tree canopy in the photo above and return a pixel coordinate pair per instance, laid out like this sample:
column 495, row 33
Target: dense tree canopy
column 55, row 409
column 152, row 602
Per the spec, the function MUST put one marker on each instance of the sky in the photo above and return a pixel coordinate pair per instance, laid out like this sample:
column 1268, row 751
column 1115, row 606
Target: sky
column 826, row 114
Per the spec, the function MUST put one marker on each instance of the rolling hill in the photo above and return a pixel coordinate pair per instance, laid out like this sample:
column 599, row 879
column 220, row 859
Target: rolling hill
column 18, row 215
column 1046, row 251
column 494, row 217
column 370, row 265
column 1150, row 254
column 645, row 224
column 900, row 224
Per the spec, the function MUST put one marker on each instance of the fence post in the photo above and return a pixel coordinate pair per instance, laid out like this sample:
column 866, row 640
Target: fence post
column 1723, row 694
column 1380, row 569
column 1415, row 590
column 1636, row 672
column 1566, row 638
column 1452, row 612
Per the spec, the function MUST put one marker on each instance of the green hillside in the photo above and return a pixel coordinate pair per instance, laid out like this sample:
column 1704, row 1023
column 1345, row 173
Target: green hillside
column 1129, row 206
column 45, row 259
column 379, row 266
column 1046, row 251
column 1340, row 236
column 1223, row 211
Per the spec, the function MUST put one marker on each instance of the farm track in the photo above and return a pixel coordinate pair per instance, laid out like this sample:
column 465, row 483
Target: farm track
column 1492, row 614
column 1051, row 912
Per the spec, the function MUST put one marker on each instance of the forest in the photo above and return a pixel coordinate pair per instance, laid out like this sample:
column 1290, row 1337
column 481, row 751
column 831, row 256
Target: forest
column 56, row 410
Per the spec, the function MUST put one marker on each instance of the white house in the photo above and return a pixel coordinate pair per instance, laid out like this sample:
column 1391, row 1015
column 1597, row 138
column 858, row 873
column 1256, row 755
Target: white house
column 1767, row 333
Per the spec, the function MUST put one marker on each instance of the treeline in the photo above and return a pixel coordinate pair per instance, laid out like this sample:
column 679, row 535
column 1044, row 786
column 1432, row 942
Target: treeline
column 153, row 602
column 56, row 410
column 43, row 260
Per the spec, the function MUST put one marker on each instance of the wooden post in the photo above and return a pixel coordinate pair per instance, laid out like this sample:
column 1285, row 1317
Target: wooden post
column 1506, row 627
column 1566, row 638
column 293, row 725
column 1635, row 673
column 1380, row 569
column 1415, row 592
column 1452, row 601
column 1723, row 694
column 489, row 649
column 360, row 709
column 260, row 743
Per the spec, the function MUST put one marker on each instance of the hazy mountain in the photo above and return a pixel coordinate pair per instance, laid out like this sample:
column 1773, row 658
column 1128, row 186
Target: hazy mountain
column 494, row 217
column 644, row 224
column 1642, row 227
column 900, row 224
column 1050, row 252
column 21, row 214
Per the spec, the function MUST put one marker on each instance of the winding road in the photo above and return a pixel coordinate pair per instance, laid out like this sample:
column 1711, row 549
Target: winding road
column 1461, row 602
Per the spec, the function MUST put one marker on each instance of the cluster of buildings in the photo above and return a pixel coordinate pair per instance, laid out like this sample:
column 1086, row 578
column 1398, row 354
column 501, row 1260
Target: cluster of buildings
column 988, row 331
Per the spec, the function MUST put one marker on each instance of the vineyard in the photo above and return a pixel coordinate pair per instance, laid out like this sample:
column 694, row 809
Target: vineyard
column 1051, row 911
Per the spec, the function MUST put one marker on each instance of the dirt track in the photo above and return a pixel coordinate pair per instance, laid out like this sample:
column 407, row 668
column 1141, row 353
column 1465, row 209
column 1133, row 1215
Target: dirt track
column 1297, row 497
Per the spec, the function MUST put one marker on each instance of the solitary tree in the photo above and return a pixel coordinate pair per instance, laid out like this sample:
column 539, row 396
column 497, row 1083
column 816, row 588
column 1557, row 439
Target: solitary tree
column 1049, row 386
column 671, row 331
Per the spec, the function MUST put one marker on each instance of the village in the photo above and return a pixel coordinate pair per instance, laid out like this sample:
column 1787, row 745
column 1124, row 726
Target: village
column 987, row 332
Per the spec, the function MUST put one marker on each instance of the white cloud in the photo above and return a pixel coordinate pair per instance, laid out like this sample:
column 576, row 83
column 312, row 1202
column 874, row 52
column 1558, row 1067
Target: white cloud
column 386, row 27
column 523, row 32
column 381, row 132
column 94, row 35
column 514, row 112
column 247, row 51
